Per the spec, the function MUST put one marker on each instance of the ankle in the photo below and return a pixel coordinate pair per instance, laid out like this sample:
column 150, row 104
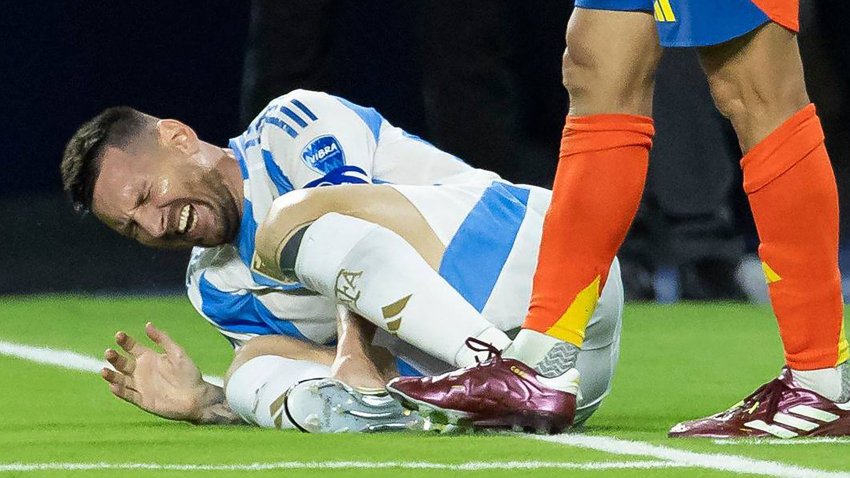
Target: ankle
column 832, row 383
column 546, row 354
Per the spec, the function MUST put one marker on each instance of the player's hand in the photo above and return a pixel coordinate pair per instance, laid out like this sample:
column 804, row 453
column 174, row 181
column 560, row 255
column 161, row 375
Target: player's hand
column 165, row 384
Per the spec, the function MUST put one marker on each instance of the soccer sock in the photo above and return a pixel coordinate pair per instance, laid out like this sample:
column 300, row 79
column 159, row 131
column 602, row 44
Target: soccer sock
column 598, row 185
column 373, row 271
column 549, row 356
column 256, row 390
column 833, row 383
column 792, row 193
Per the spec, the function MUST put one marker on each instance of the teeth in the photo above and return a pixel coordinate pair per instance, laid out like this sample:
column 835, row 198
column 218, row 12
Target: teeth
column 184, row 220
column 193, row 219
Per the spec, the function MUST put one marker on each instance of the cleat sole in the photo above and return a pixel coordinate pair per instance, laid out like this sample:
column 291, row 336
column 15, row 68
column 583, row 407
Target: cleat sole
column 337, row 408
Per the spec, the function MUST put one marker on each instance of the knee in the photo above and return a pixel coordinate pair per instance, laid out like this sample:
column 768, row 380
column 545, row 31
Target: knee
column 252, row 349
column 756, row 104
column 602, row 83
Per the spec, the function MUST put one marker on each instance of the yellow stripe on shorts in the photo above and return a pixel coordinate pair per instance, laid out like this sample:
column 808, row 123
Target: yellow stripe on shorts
column 667, row 10
column 659, row 16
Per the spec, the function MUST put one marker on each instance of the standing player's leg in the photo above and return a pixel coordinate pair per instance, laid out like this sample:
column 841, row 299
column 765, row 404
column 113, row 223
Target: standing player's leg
column 609, row 65
column 757, row 81
column 599, row 181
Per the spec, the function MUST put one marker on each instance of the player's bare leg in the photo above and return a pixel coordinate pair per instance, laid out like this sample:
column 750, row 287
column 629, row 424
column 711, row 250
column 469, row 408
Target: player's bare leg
column 757, row 81
column 608, row 70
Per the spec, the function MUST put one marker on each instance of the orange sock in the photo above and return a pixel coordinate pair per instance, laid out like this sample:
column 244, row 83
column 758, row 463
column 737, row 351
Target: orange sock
column 792, row 192
column 598, row 185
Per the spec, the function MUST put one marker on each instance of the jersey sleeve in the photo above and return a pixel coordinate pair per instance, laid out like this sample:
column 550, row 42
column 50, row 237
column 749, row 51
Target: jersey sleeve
column 219, row 288
column 198, row 289
column 314, row 139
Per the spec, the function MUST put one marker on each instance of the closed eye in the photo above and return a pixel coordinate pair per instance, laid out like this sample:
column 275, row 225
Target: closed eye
column 144, row 199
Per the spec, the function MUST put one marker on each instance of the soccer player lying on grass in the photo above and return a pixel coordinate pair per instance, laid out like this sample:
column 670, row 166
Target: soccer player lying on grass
column 433, row 253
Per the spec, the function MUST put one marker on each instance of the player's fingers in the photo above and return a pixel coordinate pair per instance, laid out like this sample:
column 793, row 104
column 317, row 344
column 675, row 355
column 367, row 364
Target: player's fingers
column 129, row 344
column 117, row 378
column 125, row 393
column 163, row 340
column 120, row 362
column 109, row 375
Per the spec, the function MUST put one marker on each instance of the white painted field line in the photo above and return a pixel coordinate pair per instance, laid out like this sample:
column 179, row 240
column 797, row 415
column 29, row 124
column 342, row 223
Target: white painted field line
column 60, row 358
column 781, row 442
column 713, row 461
column 335, row 465
column 65, row 358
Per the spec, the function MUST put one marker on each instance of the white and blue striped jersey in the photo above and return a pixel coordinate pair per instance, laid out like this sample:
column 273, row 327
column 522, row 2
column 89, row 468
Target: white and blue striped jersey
column 491, row 228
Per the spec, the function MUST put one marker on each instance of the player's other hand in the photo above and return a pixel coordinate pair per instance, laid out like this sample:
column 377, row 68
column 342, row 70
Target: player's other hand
column 166, row 384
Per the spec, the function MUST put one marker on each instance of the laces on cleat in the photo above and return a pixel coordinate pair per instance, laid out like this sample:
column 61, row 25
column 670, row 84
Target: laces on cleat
column 769, row 394
column 477, row 345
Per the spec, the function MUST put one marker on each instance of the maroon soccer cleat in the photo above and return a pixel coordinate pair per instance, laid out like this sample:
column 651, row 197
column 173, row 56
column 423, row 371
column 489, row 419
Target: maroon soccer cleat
column 778, row 409
column 497, row 393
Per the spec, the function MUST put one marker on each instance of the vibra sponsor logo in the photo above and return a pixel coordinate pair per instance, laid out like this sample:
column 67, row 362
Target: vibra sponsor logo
column 324, row 154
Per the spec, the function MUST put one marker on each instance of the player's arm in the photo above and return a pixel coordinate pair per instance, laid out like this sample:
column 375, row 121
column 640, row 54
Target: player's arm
column 167, row 384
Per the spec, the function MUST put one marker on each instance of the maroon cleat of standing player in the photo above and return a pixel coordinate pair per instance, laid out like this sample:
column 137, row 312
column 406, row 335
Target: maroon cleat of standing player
column 779, row 409
column 497, row 393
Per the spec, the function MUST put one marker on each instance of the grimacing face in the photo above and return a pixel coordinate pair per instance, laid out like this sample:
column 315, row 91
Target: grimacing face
column 167, row 195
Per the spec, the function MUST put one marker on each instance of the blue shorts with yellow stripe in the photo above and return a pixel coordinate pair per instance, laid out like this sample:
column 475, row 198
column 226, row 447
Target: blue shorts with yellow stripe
column 686, row 23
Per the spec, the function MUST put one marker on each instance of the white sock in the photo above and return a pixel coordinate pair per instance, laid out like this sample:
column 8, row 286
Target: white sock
column 827, row 382
column 467, row 357
column 255, row 389
column 376, row 273
column 549, row 356
column 530, row 347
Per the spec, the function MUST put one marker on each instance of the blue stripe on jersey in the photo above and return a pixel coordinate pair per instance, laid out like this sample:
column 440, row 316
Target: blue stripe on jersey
column 281, row 182
column 237, row 151
column 251, row 142
column 245, row 244
column 282, row 125
column 298, row 120
column 304, row 109
column 476, row 254
column 370, row 116
column 242, row 313
column 405, row 369
column 247, row 230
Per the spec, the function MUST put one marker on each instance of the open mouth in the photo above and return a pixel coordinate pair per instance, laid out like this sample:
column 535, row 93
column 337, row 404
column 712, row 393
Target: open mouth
column 188, row 219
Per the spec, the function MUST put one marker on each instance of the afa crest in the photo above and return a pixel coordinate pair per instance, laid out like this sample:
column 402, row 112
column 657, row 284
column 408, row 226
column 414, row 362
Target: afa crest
column 324, row 154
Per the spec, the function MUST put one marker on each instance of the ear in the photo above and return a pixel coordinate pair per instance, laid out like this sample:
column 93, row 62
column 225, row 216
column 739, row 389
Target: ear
column 178, row 135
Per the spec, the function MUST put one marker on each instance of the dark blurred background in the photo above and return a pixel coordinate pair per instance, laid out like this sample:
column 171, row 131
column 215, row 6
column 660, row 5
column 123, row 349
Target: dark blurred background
column 481, row 79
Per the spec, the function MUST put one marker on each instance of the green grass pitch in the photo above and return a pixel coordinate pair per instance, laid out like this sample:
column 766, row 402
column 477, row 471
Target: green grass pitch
column 677, row 362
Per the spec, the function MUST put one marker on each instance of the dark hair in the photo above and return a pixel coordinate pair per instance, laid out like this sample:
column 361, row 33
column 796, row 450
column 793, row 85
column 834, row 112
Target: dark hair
column 119, row 127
